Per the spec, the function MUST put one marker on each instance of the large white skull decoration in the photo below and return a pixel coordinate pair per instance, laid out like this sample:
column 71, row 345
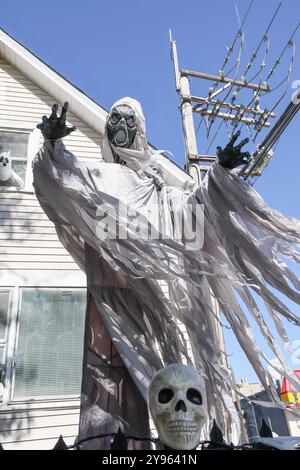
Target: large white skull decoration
column 178, row 406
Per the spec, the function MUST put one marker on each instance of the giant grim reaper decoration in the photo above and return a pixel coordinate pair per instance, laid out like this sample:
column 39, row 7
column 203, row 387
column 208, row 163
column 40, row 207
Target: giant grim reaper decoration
column 101, row 211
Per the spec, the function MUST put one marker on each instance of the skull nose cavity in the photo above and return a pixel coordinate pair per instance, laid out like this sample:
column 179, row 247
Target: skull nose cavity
column 180, row 406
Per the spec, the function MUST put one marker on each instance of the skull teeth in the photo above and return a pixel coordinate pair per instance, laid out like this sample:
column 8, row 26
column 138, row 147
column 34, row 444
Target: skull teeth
column 182, row 426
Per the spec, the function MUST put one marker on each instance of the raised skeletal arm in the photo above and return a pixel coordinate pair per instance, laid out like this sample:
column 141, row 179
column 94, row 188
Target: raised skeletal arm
column 231, row 156
column 54, row 127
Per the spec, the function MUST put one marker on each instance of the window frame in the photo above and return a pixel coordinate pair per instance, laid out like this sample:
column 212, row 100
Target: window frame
column 12, row 349
column 33, row 144
column 7, row 342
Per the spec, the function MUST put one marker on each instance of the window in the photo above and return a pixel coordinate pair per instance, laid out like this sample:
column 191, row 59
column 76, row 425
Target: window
column 17, row 144
column 50, row 343
column 4, row 304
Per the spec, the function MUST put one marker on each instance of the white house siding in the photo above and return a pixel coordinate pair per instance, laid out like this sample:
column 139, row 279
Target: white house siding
column 31, row 254
column 39, row 426
column 28, row 240
column 23, row 102
column 293, row 421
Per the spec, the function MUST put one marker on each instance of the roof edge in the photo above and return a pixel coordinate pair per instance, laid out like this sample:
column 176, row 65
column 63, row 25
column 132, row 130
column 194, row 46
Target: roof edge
column 56, row 85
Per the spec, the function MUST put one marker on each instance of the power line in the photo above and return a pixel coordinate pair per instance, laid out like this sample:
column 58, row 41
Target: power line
column 289, row 43
column 239, row 35
column 249, row 65
column 211, row 108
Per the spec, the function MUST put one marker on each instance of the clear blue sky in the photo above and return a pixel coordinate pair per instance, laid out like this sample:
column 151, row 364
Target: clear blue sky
column 115, row 49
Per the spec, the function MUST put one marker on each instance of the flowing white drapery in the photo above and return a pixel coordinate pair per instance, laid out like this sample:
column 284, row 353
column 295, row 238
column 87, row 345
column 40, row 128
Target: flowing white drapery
column 243, row 242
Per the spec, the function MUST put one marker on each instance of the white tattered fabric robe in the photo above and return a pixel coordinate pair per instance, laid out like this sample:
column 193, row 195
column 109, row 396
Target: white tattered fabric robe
column 131, row 324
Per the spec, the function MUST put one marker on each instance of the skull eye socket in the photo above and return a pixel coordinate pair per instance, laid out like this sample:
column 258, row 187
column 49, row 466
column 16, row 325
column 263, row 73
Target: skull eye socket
column 194, row 396
column 165, row 395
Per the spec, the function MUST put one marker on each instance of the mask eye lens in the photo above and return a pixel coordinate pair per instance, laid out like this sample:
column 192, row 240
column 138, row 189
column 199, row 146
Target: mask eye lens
column 114, row 118
column 165, row 395
column 130, row 120
column 194, row 396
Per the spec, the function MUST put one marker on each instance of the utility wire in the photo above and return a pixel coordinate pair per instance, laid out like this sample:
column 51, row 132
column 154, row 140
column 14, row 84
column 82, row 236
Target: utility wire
column 289, row 43
column 254, row 55
column 216, row 106
column 249, row 65
column 277, row 61
column 230, row 49
column 284, row 93
column 238, row 34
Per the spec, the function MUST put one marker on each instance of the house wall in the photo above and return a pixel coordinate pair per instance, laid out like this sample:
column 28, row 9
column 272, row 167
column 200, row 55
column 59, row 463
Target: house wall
column 293, row 421
column 255, row 413
column 31, row 255
column 38, row 426
column 23, row 102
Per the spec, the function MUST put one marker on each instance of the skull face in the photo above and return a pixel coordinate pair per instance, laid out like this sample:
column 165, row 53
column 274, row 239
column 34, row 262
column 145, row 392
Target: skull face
column 177, row 403
column 5, row 166
column 121, row 126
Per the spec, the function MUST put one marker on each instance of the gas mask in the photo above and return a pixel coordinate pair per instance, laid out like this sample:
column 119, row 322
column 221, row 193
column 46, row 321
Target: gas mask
column 121, row 126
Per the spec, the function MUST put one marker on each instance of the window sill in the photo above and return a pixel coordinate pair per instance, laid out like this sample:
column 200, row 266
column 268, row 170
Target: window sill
column 32, row 404
column 15, row 190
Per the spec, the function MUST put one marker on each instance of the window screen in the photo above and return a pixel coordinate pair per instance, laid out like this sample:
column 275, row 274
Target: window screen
column 4, row 299
column 50, row 343
column 16, row 143
column 4, row 303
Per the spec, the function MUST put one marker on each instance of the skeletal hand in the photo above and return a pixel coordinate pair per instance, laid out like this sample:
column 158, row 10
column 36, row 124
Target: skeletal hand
column 54, row 127
column 231, row 156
